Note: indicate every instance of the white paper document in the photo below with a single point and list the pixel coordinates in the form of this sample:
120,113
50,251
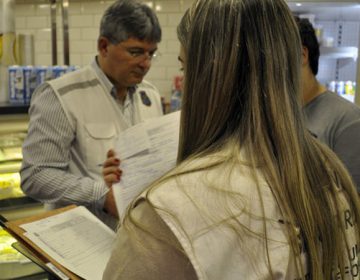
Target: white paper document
76,239
147,151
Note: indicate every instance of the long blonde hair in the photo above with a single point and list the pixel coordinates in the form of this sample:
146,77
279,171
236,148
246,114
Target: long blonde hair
242,82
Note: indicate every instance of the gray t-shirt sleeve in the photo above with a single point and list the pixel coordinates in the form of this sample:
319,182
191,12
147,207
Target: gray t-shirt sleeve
347,147
336,122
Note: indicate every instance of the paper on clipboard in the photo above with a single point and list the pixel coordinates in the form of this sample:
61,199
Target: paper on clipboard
158,141
75,239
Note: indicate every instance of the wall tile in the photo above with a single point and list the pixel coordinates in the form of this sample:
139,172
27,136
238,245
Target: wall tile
25,10
81,20
162,47
75,59
185,4
156,72
75,8
163,19
171,72
74,33
43,10
164,86
169,33
43,59
89,33
87,58
22,31
81,46
167,6
173,47
97,20
168,60
20,23
36,21
60,57
93,7
42,34
42,46
174,19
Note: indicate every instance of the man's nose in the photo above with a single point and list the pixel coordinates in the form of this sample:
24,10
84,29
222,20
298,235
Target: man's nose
146,62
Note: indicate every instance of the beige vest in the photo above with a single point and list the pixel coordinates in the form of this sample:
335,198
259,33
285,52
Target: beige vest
97,120
213,249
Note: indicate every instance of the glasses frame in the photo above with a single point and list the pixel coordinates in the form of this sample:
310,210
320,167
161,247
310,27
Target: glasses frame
140,54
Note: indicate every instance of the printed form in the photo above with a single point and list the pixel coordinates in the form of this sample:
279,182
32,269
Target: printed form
76,239
147,151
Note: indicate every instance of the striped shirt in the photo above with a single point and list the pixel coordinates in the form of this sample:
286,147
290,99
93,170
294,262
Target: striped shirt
46,152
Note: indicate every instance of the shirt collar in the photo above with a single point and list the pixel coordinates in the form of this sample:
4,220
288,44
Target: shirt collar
105,80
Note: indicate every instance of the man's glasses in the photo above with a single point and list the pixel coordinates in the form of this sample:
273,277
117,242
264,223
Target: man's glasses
143,55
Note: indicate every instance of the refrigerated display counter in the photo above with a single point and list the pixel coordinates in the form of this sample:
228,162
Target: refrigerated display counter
13,265
14,204
13,129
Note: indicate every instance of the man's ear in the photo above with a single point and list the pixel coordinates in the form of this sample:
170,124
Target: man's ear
304,56
103,45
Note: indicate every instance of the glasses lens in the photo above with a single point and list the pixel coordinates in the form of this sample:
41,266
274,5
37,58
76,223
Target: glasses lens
155,56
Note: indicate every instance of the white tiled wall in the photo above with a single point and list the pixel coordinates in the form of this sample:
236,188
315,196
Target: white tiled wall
33,17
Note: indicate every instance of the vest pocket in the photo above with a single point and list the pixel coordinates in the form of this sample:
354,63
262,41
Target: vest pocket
100,137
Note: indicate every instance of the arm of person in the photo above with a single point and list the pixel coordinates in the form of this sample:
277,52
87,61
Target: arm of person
347,147
46,157
142,255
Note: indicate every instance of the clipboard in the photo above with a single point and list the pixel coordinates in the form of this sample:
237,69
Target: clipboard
22,249
31,250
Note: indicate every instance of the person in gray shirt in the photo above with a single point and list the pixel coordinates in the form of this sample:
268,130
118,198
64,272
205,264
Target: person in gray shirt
332,119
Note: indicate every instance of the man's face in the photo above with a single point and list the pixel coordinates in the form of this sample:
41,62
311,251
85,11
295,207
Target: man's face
126,63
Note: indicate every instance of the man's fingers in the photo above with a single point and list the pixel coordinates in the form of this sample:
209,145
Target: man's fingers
110,153
111,162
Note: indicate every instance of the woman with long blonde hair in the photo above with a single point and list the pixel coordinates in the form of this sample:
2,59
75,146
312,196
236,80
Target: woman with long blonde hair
254,195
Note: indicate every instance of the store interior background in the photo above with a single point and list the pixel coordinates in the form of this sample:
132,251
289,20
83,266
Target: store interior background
33,17
339,20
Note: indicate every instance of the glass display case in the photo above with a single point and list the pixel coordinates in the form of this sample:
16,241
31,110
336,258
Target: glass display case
13,265
13,129
10,161
13,203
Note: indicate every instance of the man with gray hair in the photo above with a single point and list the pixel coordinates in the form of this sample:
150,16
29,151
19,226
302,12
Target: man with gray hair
75,119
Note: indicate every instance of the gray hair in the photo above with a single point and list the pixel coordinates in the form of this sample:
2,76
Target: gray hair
130,18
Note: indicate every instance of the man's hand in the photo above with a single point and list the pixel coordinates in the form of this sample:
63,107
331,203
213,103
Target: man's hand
111,171
110,205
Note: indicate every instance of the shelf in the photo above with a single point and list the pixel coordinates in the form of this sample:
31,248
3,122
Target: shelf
10,166
13,109
327,10
18,202
339,52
